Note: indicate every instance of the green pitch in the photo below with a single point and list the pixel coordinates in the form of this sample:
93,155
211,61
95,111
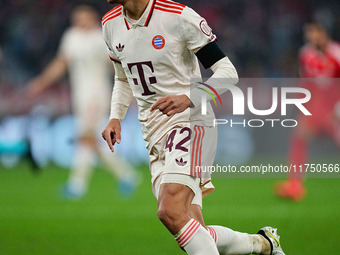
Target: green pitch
34,219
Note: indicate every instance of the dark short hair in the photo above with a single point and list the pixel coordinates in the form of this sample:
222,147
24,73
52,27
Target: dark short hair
86,5
319,25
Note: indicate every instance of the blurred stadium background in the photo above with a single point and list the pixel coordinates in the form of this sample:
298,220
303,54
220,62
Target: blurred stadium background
262,38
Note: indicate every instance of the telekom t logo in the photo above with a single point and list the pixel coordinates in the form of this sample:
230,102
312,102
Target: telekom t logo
139,67
238,100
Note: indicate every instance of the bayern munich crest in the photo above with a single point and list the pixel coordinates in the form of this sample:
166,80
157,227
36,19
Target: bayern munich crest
158,42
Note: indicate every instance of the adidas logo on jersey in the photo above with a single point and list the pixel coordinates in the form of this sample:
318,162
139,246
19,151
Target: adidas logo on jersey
181,162
120,47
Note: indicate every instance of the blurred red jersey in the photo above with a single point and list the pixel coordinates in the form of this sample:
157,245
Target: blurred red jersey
325,92
317,64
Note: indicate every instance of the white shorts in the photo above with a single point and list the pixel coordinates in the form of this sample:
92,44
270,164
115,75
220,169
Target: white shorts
192,182
90,116
180,155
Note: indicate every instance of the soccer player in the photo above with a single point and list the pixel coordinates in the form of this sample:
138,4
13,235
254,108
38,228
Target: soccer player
83,54
319,58
154,46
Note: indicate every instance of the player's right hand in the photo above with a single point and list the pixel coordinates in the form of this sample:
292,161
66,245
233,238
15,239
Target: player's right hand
111,133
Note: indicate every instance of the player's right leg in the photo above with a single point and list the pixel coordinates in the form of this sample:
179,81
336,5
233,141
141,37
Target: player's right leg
175,190
174,202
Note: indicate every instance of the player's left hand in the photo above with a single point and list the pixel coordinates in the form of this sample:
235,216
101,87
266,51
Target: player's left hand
171,105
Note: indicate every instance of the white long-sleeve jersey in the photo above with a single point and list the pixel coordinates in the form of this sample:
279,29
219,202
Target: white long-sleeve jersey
155,57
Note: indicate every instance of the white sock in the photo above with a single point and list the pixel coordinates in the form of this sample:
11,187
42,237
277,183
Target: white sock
232,242
196,240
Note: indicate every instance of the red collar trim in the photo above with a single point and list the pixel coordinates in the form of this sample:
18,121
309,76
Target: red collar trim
150,14
127,24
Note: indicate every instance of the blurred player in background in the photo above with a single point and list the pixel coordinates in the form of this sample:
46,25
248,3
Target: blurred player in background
319,58
83,53
155,46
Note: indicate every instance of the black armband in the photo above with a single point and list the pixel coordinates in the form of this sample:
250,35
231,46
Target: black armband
210,54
